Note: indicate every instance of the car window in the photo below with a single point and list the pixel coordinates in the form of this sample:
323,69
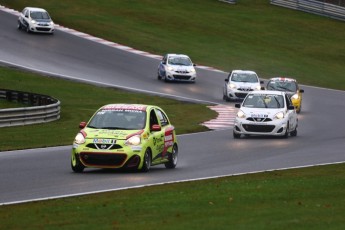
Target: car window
39,15
162,117
118,119
282,86
244,77
264,101
153,118
179,61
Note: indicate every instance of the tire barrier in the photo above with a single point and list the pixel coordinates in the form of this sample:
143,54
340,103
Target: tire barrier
40,109
315,7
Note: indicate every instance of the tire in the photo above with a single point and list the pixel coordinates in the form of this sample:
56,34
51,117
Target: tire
286,134
146,161
294,132
76,165
19,26
236,135
27,29
172,158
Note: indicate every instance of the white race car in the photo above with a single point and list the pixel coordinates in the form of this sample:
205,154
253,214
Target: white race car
34,19
268,113
239,83
176,67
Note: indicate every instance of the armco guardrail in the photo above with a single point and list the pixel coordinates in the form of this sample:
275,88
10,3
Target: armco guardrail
41,108
315,7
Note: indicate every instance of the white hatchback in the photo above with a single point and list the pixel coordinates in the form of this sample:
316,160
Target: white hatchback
176,67
269,113
239,83
33,19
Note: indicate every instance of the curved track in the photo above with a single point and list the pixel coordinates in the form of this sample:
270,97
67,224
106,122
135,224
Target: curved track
44,173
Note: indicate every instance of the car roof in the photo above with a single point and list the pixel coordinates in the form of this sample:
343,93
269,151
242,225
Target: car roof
35,9
178,55
137,107
243,71
268,92
282,79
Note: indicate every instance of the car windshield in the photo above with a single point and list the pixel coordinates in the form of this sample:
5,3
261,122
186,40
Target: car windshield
118,119
179,61
264,101
282,86
244,77
39,15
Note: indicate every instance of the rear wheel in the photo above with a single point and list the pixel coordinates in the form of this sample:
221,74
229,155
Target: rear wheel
76,165
146,161
172,158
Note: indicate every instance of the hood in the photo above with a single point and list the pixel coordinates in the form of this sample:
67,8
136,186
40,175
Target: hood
108,133
261,113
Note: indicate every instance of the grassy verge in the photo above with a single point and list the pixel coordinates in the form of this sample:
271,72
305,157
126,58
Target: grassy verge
78,103
309,198
252,34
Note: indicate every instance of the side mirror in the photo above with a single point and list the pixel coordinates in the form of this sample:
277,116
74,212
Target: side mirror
237,105
262,88
164,63
82,124
261,82
226,80
156,127
301,90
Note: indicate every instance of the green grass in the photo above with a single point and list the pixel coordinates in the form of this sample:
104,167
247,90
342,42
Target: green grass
78,102
308,198
252,34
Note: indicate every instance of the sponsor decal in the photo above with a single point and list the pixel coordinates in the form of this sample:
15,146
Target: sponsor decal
104,141
124,107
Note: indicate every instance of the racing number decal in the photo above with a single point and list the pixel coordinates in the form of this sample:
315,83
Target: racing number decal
168,140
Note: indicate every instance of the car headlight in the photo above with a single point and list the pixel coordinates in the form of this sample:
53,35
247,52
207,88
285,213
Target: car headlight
79,139
258,87
295,96
231,86
170,68
33,21
134,140
279,115
192,71
241,114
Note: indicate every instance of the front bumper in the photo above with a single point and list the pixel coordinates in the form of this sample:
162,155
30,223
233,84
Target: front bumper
269,128
42,29
128,157
179,76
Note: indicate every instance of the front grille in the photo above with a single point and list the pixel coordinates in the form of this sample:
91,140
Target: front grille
103,159
259,128
181,77
104,146
245,89
258,119
182,71
42,29
241,95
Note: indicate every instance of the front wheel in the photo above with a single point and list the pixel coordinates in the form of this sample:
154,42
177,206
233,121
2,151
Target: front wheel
236,135
146,161
172,158
294,132
76,165
19,26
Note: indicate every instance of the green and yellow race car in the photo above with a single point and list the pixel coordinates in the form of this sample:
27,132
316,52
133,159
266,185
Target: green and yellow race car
128,136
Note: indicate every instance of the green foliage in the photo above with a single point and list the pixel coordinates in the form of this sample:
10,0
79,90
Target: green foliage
78,103
309,198
252,34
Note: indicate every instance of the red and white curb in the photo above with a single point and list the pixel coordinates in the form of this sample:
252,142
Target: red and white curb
226,114
225,118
